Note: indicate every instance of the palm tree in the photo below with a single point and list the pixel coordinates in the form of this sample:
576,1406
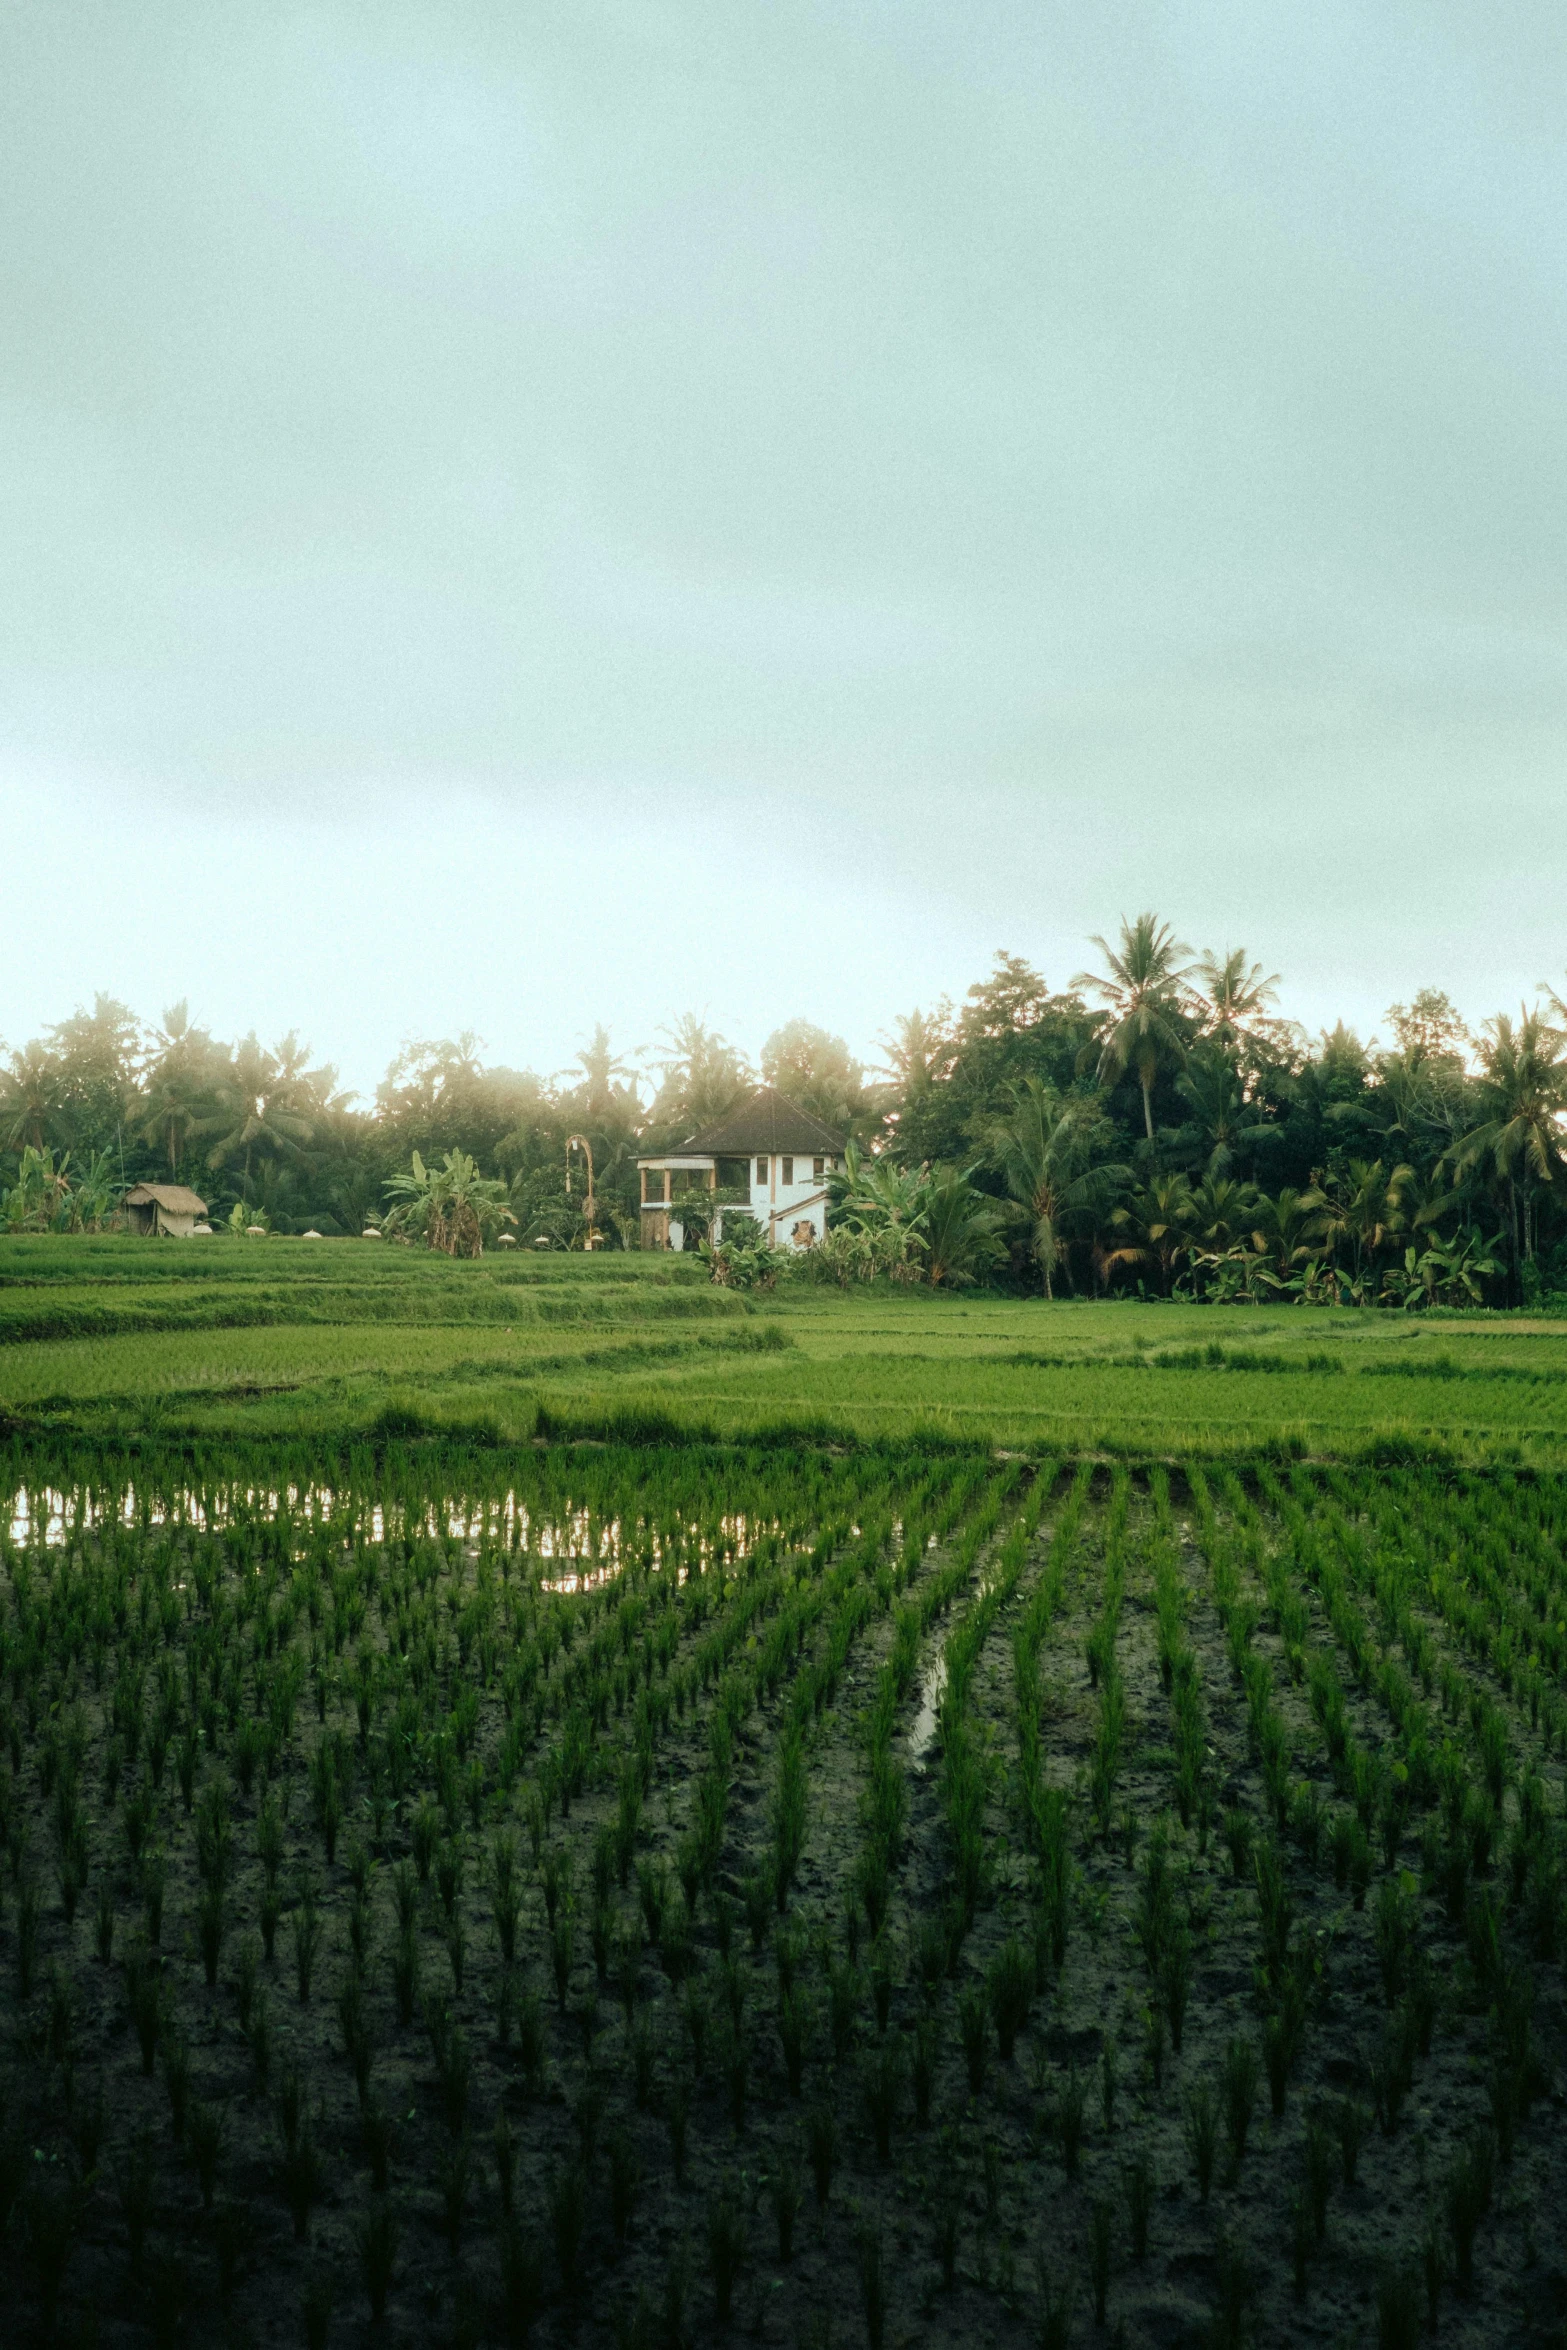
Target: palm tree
1212,1087
30,1097
1143,994
1044,1153
178,1102
960,1229
1523,1091
1365,1206
1289,1225
1224,1212
258,1104
703,1075
1236,996
1161,1218
918,1052
603,1085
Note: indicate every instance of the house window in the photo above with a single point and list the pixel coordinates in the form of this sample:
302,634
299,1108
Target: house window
818,1169
653,1186
787,1175
761,1170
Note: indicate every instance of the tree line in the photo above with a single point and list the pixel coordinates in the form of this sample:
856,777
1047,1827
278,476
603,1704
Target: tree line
1154,1127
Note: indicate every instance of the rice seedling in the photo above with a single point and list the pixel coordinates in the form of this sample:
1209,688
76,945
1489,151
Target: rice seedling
137,2182
377,2133
306,1927
677,2115
883,2077
568,2221
1138,2179
1011,1987
727,2244
1055,2310
1398,2308
821,2138
1467,2191
1238,2086
1071,2112
873,2285
974,2023
316,2308
1100,2224
105,1919
1201,2125
454,2171
784,2189
625,2179
379,2236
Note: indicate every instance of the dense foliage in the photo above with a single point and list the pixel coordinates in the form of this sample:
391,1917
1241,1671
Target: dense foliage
1154,1128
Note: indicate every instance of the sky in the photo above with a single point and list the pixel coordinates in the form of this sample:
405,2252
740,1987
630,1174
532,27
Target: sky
512,517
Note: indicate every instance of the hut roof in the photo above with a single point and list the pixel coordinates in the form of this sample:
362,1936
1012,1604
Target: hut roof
176,1198
769,1122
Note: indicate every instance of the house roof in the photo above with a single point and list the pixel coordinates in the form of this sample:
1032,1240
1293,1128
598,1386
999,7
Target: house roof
768,1122
176,1198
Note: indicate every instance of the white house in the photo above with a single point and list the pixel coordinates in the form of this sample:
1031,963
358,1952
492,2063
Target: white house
769,1148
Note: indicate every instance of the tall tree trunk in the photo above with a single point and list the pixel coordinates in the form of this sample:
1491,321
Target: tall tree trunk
1147,1110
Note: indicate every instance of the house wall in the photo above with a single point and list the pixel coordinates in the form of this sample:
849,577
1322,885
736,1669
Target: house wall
787,1198
787,1194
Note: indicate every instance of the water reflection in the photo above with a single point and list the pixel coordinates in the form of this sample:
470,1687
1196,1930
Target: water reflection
576,1550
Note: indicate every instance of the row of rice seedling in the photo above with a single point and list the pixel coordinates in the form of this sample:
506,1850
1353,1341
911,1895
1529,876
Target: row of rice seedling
1507,1618
485,1903
1421,1982
1104,1671
335,1615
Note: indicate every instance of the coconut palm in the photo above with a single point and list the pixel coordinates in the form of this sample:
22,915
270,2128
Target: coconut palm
1145,1025
917,1051
702,1075
1523,1094
1212,1086
1044,1152
1290,1226
260,1105
962,1239
30,1098
1158,1225
178,1104
604,1087
1236,996
1365,1207
1225,1213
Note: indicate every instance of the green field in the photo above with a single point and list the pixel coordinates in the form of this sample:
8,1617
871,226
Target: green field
544,1801
115,1338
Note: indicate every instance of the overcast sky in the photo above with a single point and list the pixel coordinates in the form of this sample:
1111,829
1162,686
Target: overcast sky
517,515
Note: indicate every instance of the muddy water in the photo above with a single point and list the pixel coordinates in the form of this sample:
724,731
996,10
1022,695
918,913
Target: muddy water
932,1689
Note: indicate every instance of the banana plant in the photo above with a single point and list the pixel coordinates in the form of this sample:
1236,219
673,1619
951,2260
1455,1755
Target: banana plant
451,1207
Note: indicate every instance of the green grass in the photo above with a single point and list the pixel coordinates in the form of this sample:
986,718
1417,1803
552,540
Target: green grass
122,1338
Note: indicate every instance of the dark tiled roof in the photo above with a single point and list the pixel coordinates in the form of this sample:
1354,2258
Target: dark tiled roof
768,1122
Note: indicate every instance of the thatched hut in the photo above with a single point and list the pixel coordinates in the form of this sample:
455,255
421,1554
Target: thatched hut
170,1208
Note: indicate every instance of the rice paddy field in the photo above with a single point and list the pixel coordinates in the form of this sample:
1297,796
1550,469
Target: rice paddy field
548,1803
114,1338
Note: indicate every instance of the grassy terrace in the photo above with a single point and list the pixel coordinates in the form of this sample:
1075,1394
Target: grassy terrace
286,1338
